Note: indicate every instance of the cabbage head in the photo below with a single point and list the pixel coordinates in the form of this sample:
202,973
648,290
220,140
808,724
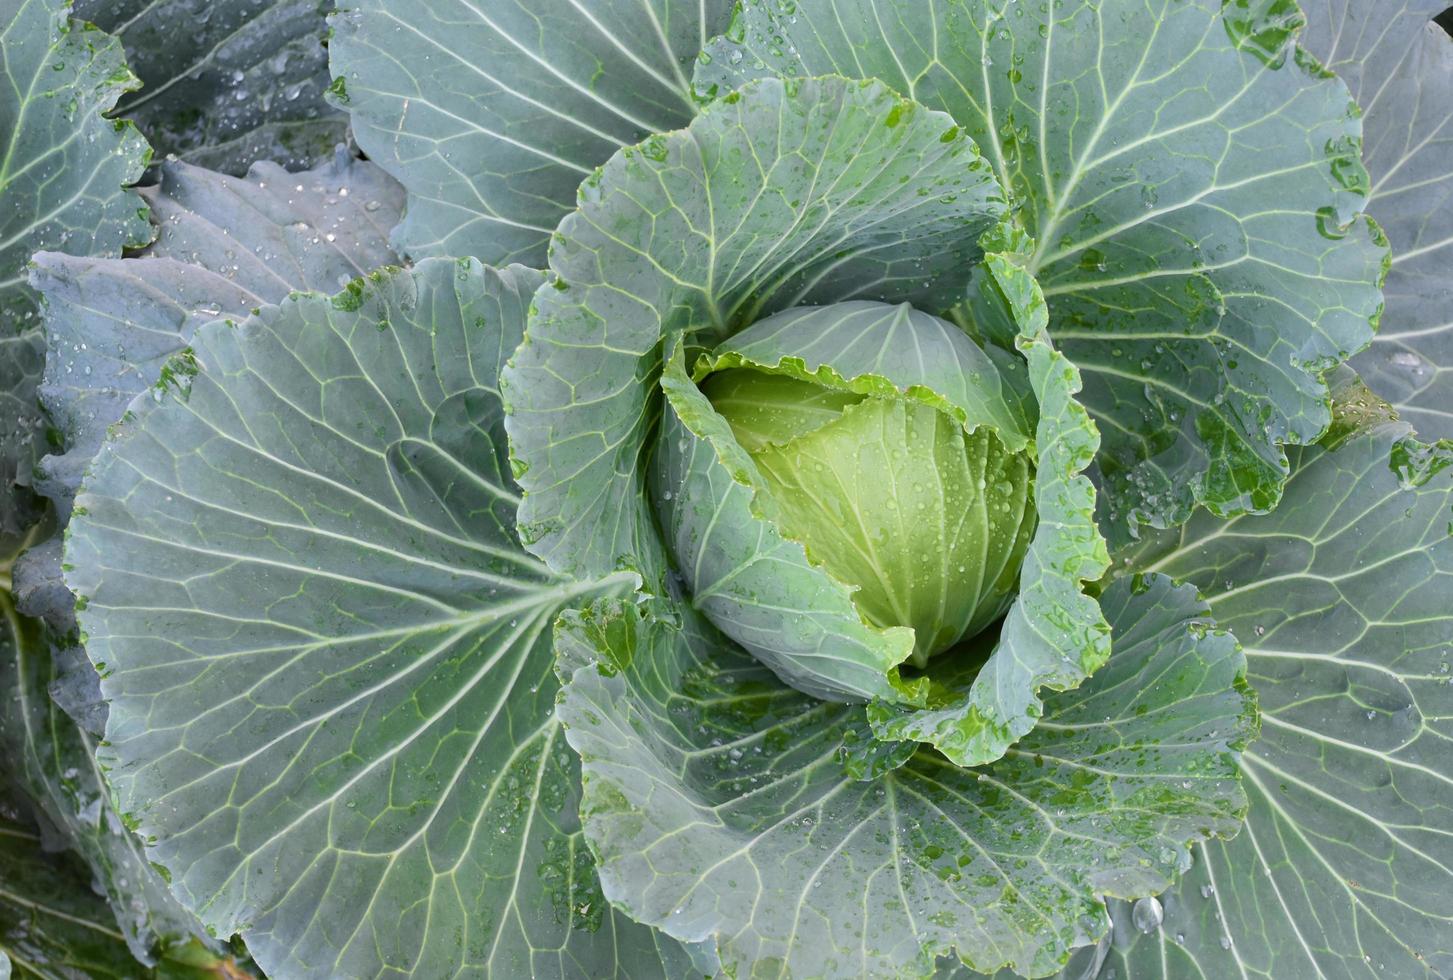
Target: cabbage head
726,488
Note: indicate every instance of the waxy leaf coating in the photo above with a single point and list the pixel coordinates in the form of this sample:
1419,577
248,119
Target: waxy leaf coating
1399,65
1340,598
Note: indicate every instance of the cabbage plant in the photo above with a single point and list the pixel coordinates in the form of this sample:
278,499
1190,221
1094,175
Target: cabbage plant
775,488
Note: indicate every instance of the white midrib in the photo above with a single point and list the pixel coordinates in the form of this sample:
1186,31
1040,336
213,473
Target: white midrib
452,628
561,593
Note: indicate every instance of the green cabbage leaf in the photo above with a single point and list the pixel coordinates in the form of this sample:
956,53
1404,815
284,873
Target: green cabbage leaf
492,114
1399,65
352,711
716,801
1340,600
226,83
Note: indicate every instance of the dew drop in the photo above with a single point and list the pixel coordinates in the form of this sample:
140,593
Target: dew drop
1147,915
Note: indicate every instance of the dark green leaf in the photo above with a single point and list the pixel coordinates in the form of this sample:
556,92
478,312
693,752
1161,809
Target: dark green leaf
52,926
226,83
53,762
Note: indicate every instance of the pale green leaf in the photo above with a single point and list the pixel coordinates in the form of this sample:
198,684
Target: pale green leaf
1054,635
894,350
758,585
729,529
773,409
929,523
736,530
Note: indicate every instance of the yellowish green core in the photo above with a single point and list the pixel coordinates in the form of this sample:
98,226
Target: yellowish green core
929,522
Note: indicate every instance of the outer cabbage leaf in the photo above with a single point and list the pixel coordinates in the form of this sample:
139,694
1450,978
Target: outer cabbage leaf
1193,182
1345,866
786,194
62,172
226,83
54,927
224,246
716,802
1399,66
492,114
327,658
